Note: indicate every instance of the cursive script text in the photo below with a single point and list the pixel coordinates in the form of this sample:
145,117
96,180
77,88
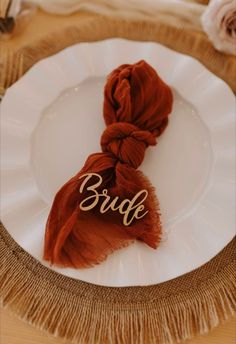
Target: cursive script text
130,208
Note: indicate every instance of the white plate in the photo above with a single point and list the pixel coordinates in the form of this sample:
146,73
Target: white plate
52,120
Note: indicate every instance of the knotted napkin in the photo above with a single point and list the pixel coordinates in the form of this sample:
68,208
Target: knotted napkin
136,108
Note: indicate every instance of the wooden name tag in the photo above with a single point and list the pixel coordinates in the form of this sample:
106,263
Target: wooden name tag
130,208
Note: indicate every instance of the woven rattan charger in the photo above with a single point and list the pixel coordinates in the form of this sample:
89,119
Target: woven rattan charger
84,313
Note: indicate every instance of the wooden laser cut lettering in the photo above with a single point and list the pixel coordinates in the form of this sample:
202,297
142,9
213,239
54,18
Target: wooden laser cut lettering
130,208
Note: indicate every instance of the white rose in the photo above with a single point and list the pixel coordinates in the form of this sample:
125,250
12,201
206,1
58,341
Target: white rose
219,22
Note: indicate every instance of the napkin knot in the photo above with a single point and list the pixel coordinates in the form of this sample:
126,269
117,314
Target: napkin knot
127,142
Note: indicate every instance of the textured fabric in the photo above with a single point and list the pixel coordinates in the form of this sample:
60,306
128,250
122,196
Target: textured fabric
136,108
174,11
85,313
16,331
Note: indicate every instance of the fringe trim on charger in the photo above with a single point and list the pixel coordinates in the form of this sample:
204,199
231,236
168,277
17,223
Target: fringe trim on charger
86,313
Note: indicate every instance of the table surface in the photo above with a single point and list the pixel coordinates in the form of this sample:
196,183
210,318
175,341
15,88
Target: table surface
15,331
